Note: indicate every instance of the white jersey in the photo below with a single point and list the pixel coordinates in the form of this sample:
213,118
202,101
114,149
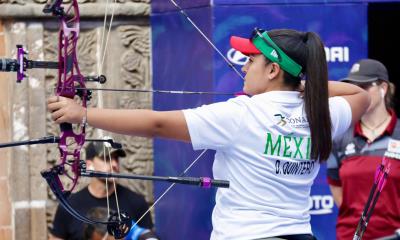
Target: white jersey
263,148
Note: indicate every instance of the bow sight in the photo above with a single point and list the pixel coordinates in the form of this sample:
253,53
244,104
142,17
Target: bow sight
22,63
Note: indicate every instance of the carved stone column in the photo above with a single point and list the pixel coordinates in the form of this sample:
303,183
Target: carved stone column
5,159
23,114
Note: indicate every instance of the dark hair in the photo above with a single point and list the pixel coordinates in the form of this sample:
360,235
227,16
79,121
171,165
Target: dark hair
390,93
100,214
307,49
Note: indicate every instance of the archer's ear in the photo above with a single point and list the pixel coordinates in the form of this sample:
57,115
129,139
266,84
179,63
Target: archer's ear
384,85
275,70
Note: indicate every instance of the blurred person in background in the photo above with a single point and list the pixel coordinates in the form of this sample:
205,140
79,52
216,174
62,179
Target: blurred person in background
358,153
65,226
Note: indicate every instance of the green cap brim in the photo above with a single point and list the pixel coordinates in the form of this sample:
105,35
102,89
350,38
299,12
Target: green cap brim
271,51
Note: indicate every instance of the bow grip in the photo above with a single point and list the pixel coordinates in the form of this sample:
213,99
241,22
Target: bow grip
66,127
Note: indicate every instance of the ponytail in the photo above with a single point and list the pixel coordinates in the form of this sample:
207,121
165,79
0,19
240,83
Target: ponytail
307,50
316,98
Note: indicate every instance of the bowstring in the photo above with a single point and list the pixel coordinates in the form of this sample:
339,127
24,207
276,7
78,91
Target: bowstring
100,66
179,8
108,200
169,188
107,152
115,185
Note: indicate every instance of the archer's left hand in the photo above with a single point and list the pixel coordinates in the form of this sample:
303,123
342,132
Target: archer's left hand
65,110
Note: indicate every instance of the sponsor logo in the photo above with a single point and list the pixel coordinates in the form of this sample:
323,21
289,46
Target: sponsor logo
296,122
321,204
393,150
350,149
237,57
274,53
394,146
355,68
281,121
337,54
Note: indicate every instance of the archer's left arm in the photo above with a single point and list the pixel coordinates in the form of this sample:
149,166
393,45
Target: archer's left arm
137,122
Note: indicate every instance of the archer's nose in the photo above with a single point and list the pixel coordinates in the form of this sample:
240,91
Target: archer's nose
245,67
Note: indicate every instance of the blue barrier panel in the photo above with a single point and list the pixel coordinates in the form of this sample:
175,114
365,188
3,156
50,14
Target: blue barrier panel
183,60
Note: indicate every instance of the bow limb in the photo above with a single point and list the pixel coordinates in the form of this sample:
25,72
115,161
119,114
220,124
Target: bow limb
118,224
69,77
71,142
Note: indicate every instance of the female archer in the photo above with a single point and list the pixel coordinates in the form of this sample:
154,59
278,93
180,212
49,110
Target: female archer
269,144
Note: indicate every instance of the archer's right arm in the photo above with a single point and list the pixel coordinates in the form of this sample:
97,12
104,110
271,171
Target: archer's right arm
357,98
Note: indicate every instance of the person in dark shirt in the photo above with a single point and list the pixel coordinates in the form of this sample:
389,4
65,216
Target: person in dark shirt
65,226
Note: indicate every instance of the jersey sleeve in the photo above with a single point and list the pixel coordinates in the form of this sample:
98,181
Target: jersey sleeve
216,125
333,166
341,116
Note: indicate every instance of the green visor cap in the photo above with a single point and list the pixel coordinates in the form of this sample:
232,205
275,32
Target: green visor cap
271,51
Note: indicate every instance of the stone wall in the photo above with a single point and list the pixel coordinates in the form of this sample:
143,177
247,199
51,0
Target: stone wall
26,205
5,200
